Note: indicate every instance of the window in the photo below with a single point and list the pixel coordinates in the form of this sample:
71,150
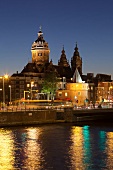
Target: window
39,54
22,86
21,91
12,82
91,87
66,94
60,94
17,96
28,85
17,86
17,82
35,85
79,93
17,91
21,82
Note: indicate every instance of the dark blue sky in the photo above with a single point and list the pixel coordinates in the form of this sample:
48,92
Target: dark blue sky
64,22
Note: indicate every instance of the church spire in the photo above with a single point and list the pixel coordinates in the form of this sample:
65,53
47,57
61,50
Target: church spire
76,53
63,60
76,61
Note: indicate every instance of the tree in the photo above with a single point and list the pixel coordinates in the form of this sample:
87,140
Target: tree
49,85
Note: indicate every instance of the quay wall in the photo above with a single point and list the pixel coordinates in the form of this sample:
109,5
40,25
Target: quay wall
53,116
27,117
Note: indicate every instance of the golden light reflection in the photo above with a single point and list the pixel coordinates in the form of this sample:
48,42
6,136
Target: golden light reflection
6,150
109,150
77,148
33,149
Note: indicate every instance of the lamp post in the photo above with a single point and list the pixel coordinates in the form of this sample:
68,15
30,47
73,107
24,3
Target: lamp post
10,93
3,78
3,92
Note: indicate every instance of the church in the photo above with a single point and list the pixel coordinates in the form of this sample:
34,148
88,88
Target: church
32,75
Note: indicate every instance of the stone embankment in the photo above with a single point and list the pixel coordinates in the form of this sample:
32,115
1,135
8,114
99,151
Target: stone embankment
32,117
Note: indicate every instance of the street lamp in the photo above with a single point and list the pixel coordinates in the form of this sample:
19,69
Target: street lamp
10,93
3,78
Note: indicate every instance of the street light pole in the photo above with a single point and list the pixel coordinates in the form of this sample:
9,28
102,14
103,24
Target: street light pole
10,93
3,93
3,78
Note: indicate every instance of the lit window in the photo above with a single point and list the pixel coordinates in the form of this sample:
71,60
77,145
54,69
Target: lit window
28,85
65,94
91,87
39,54
35,85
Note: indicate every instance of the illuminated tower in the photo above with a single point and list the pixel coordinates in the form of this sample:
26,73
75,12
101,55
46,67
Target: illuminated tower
63,59
76,61
40,50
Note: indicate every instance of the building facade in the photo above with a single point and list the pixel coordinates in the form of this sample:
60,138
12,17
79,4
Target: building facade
28,83
75,92
104,92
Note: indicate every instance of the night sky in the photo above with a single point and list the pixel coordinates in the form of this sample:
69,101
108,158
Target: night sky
64,22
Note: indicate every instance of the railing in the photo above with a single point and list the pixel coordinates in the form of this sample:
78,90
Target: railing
22,109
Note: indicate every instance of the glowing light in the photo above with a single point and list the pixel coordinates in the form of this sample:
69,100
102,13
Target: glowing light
6,150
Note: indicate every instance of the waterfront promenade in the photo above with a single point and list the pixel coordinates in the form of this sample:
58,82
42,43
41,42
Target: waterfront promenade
31,114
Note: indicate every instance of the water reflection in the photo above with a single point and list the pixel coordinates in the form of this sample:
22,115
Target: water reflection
109,150
91,148
32,149
76,148
86,146
6,150
65,147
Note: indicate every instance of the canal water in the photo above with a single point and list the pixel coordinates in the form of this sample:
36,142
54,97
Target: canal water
57,147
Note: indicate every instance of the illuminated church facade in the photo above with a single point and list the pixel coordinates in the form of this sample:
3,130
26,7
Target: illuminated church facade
35,70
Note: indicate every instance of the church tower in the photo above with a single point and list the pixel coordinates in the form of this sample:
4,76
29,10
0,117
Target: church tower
63,59
40,50
76,61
